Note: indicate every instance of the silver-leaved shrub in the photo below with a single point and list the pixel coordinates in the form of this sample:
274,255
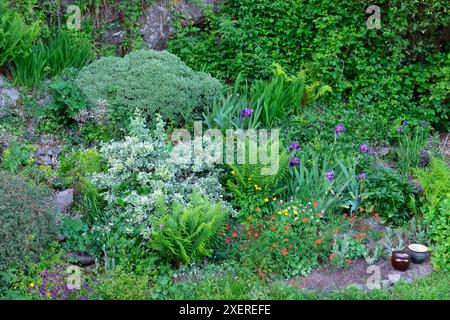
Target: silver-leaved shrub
151,81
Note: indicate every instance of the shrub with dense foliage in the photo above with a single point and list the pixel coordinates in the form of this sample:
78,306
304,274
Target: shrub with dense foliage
435,181
154,82
140,170
27,219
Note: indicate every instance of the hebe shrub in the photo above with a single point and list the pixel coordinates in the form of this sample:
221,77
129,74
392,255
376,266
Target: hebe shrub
27,220
154,82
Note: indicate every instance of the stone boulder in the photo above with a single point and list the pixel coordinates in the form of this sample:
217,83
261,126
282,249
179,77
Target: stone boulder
157,24
9,98
64,200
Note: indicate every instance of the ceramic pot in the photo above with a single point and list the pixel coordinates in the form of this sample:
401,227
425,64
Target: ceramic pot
400,260
418,252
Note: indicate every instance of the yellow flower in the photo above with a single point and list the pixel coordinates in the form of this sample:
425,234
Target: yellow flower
285,211
274,199
257,187
233,172
266,199
32,285
49,295
295,212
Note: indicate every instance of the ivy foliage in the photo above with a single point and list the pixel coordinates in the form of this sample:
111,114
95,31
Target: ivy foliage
399,69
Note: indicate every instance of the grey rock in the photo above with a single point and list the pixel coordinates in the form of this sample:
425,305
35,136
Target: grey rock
47,155
9,98
83,260
63,200
385,283
425,159
157,24
394,277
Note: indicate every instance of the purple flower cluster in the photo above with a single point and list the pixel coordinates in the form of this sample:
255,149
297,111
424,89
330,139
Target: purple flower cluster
423,124
294,161
294,146
246,113
339,129
330,176
363,148
53,285
361,176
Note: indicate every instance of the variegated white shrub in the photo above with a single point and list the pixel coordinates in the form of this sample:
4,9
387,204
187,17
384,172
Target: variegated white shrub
140,170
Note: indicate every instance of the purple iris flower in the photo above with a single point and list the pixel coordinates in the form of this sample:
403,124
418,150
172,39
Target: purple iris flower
246,113
363,148
339,129
361,176
294,146
404,122
330,176
399,129
294,161
423,124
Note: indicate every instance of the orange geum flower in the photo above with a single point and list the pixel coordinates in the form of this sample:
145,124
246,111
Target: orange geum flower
305,220
284,252
317,242
274,245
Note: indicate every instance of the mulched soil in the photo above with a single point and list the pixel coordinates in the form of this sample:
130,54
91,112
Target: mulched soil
328,279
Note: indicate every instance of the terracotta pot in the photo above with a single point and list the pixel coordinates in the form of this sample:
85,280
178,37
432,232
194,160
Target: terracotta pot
400,260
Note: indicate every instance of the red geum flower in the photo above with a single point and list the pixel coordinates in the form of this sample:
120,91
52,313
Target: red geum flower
363,235
292,283
284,252
376,215
315,203
285,240
290,246
274,245
299,286
319,214
227,240
305,220
273,228
287,227
227,226
332,256
310,231
356,237
348,261
345,215
318,241
350,219
234,235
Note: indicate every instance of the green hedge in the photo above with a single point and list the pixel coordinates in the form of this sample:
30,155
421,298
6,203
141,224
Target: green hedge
401,69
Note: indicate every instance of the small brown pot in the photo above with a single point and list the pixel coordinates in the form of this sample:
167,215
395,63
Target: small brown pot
400,260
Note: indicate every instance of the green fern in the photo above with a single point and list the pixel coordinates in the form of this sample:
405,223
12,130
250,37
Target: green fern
16,37
186,234
248,178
